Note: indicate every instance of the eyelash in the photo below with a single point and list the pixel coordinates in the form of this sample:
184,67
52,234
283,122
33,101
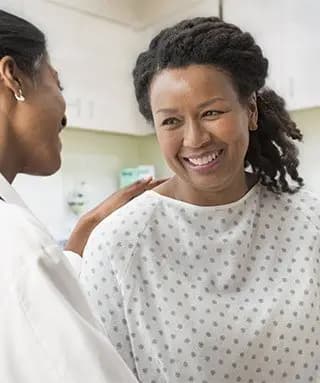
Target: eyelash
60,87
214,113
167,121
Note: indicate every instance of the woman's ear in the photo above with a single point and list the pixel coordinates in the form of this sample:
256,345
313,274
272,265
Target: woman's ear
10,76
253,112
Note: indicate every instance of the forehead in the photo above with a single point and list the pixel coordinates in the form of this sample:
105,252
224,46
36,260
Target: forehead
193,82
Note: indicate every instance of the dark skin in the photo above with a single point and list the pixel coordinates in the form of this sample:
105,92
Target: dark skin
203,132
30,143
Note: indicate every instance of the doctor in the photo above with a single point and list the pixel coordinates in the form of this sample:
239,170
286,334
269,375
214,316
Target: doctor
48,332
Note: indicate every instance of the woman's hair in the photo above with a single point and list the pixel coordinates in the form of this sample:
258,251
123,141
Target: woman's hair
21,40
211,41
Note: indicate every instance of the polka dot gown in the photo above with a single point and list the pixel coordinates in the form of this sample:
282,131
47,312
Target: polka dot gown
211,294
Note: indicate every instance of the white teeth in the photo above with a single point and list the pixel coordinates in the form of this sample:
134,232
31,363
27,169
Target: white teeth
205,159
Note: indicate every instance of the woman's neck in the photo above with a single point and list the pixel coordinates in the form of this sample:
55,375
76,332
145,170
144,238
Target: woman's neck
180,190
9,174
9,159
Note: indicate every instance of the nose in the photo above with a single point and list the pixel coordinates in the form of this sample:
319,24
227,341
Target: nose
195,135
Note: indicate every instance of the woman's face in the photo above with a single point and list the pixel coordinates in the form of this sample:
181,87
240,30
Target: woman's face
202,128
35,124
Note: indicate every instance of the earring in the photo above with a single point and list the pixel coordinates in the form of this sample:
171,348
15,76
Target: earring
19,96
253,127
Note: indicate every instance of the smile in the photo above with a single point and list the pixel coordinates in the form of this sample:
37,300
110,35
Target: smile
203,161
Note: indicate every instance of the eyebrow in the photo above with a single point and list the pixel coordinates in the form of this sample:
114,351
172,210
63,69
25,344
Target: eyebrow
166,110
211,101
202,105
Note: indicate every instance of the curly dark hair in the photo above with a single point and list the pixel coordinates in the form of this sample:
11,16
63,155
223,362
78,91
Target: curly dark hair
271,154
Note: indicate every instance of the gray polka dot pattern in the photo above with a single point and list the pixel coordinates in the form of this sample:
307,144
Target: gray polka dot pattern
211,294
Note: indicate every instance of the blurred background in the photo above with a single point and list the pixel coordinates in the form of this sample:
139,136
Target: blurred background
94,45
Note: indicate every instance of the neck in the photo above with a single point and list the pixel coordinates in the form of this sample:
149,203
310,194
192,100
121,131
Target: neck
210,197
9,167
9,174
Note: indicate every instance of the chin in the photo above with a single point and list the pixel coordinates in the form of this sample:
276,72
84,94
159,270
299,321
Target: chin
47,168
50,170
206,183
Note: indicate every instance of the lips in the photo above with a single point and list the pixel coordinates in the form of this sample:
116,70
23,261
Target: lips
63,123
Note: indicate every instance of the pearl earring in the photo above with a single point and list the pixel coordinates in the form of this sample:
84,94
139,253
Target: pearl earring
19,96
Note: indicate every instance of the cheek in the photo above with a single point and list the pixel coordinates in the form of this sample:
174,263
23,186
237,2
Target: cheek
170,143
54,107
232,131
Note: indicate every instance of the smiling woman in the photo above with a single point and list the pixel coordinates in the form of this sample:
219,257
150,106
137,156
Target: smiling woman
205,137
214,276
207,58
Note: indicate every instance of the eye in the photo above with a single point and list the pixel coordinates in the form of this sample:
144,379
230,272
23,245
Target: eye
170,121
211,113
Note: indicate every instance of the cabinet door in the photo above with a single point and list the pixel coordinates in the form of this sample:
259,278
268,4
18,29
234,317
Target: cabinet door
264,21
302,53
95,59
288,31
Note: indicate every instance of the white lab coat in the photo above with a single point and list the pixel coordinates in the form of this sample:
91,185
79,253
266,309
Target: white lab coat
48,332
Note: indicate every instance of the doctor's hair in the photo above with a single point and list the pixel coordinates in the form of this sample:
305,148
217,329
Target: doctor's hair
22,41
271,154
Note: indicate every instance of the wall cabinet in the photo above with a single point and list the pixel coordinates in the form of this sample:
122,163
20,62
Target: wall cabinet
95,56
288,31
95,59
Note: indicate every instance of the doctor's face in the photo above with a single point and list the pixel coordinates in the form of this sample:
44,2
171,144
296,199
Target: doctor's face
37,122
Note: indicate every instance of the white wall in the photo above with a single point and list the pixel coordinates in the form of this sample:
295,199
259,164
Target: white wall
93,157
309,123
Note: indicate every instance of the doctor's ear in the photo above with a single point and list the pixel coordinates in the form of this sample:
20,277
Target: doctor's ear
10,77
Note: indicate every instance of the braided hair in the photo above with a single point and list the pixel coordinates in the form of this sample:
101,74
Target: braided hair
271,154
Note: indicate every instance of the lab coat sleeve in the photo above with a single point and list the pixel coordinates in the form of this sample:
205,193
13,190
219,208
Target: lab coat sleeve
75,261
47,329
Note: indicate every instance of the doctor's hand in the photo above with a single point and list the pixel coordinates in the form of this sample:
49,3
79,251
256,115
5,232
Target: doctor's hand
90,220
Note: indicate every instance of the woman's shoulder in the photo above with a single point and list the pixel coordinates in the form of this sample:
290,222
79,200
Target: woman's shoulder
135,214
303,203
115,240
308,204
118,235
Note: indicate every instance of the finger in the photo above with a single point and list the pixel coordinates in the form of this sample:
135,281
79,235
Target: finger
137,188
141,182
156,183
